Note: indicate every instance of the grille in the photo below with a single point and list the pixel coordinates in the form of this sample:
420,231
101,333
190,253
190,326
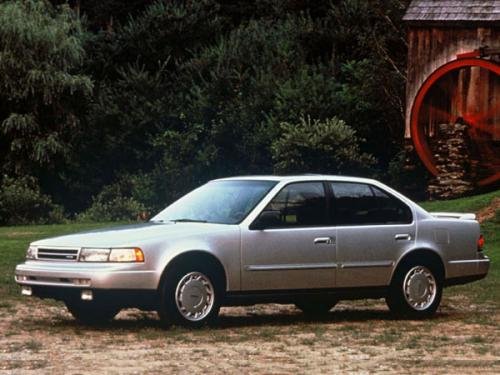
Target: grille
58,254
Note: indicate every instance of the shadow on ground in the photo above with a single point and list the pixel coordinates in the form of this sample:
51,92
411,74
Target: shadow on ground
132,320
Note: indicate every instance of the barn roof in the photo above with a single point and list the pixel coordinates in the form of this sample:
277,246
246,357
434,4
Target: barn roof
445,11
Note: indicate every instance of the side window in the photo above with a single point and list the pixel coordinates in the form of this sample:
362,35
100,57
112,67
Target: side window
390,209
300,205
362,204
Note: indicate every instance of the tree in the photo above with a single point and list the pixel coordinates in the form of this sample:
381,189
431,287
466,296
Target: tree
41,48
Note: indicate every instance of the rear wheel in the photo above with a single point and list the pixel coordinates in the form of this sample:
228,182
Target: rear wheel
315,308
190,296
416,290
91,312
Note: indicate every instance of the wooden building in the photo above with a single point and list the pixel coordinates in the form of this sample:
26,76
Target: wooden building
454,77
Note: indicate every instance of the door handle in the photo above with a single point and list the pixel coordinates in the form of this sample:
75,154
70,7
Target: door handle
402,237
327,240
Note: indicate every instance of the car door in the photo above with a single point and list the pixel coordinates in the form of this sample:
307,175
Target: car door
298,250
373,229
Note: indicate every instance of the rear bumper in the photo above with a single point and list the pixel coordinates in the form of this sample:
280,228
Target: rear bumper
463,271
89,276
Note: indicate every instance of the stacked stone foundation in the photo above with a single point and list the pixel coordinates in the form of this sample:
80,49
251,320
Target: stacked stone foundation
452,154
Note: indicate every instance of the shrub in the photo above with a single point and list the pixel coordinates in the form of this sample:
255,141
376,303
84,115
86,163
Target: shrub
113,204
22,202
328,146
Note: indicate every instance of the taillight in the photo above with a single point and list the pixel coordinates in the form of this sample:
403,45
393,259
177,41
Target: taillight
480,242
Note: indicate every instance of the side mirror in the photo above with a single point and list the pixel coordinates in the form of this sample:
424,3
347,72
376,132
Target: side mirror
267,219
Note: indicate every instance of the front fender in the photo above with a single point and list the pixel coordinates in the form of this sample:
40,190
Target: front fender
224,246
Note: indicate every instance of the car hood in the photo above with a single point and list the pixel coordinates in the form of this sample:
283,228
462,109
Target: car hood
131,235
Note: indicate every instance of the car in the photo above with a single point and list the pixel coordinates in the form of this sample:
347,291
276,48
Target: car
308,240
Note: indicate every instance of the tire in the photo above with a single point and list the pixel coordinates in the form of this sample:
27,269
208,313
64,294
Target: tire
190,296
315,308
90,312
416,290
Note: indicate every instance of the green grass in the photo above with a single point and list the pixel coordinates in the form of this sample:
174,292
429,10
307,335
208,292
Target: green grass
468,204
15,240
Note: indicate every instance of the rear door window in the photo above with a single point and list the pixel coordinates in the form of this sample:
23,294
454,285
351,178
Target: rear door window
364,204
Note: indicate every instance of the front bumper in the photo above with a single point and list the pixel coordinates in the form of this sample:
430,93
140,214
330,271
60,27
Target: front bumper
140,298
85,275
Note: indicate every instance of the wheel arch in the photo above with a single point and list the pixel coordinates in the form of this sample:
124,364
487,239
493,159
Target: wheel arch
196,257
418,254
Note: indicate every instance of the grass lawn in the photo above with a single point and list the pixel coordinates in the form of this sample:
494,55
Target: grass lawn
14,241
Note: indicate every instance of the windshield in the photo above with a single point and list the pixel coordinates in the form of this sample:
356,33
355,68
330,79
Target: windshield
224,202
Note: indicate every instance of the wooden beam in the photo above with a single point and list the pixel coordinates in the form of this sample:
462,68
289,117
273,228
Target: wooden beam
486,51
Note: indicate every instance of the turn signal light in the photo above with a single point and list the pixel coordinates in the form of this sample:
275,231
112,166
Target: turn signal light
480,242
139,255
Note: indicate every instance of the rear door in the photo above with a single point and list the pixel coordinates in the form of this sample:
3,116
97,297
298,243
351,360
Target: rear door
373,229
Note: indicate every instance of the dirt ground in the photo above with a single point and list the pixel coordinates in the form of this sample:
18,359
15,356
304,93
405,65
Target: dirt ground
489,211
357,337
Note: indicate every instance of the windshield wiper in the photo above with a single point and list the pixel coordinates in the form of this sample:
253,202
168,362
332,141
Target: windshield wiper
188,221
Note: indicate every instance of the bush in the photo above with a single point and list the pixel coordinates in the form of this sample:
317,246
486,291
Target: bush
328,146
113,204
21,202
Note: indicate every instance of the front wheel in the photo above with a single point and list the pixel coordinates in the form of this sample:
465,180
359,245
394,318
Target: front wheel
416,290
190,297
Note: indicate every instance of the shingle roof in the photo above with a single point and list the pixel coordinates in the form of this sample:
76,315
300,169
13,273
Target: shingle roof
453,11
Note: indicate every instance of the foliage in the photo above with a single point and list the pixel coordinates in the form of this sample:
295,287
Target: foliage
169,94
40,48
242,87
168,30
21,202
125,117
112,204
328,146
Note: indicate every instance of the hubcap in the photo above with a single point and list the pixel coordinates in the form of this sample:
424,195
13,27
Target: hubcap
419,288
194,296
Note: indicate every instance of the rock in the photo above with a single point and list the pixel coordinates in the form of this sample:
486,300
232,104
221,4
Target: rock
451,150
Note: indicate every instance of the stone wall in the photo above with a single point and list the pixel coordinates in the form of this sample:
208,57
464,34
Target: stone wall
452,153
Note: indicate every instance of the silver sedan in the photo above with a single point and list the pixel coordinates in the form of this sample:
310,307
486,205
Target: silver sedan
309,240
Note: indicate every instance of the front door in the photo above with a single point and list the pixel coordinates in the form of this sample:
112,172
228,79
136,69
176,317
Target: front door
298,251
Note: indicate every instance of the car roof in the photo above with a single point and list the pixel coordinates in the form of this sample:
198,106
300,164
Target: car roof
302,177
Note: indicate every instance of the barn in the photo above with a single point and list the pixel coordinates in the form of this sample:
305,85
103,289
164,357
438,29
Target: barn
453,92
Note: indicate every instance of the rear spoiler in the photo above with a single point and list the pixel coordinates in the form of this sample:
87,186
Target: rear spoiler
453,215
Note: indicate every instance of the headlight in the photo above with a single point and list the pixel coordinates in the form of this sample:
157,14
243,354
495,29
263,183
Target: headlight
111,255
31,253
94,255
126,255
